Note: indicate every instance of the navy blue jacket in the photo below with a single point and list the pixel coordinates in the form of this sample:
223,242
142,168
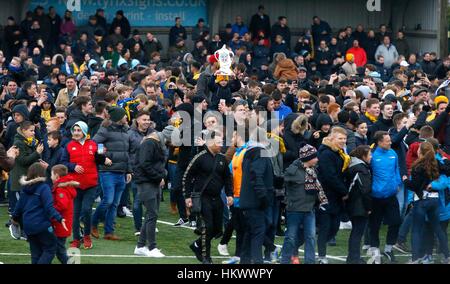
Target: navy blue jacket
257,180
399,146
331,177
53,157
35,207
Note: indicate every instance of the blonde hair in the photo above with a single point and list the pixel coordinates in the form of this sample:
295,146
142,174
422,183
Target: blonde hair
338,130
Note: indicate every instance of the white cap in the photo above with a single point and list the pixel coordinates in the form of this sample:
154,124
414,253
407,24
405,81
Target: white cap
404,64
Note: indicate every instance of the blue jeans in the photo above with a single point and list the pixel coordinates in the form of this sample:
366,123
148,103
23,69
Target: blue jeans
402,197
82,211
42,247
171,170
226,210
405,228
253,237
137,208
113,185
427,209
295,220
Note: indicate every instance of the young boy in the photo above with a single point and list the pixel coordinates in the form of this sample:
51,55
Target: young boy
64,192
55,153
361,133
35,209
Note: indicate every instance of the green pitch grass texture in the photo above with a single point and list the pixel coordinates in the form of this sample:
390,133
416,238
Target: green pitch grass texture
172,241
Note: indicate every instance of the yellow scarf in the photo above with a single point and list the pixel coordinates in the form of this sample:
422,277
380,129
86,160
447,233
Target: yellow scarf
346,158
279,140
31,141
196,76
371,117
45,114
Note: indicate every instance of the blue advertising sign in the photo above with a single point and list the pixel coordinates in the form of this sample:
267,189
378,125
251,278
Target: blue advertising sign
140,13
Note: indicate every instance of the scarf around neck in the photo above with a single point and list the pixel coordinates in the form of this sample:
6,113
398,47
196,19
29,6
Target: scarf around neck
313,186
371,117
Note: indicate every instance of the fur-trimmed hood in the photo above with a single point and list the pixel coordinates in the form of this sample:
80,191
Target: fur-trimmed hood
24,182
300,124
71,183
30,186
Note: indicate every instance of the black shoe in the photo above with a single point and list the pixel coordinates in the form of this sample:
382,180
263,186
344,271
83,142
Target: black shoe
207,260
7,224
390,256
197,251
332,242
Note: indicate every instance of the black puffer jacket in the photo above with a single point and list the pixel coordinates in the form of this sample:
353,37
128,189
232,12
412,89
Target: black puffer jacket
116,139
359,179
150,161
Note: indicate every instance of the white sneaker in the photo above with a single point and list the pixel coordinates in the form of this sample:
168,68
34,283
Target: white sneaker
323,260
127,211
365,247
156,253
137,234
98,200
223,250
375,256
143,251
345,225
193,224
156,230
180,223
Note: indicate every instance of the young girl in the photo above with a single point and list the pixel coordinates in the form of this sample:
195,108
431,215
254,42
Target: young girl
426,207
80,158
35,209
359,202
30,150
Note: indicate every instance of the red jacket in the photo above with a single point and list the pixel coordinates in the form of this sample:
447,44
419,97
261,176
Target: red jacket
83,155
64,193
411,155
360,56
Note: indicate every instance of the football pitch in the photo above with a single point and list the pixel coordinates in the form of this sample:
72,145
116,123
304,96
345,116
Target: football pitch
172,241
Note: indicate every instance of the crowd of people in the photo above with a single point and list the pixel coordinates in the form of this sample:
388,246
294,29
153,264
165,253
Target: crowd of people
351,127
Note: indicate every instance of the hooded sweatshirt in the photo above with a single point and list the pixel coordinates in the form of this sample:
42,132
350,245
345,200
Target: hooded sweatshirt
64,193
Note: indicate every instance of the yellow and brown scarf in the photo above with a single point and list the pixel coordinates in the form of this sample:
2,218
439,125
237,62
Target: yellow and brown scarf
371,117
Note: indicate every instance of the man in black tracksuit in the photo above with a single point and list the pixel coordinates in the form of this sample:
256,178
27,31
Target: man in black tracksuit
208,173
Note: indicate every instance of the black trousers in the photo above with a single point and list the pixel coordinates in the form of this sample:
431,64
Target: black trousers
237,223
359,225
387,210
212,220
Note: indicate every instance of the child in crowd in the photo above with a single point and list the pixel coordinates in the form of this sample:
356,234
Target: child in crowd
35,209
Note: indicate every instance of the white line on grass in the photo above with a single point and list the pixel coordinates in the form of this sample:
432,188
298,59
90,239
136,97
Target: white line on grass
115,256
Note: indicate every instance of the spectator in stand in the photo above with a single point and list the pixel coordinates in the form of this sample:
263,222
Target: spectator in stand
370,46
239,27
388,51
68,28
324,59
199,30
12,38
428,66
281,28
260,22
359,53
101,20
383,32
321,31
121,21
177,32
401,43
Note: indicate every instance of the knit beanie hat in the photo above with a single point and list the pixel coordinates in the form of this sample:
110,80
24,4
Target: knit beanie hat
167,133
84,127
116,113
307,153
349,57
